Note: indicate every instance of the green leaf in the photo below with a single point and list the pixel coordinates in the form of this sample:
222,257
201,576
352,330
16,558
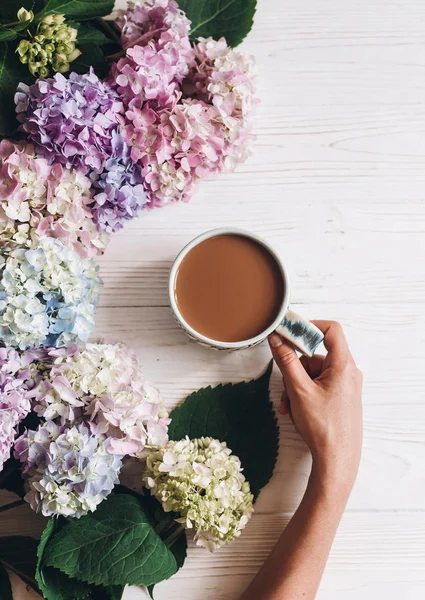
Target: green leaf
115,545
80,10
12,71
5,587
150,590
87,34
91,56
7,34
232,19
242,416
163,522
54,584
19,555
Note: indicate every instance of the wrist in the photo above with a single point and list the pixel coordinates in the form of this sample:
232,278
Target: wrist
333,480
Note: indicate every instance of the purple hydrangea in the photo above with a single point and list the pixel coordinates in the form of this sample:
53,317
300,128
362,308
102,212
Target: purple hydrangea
70,121
70,471
120,191
14,401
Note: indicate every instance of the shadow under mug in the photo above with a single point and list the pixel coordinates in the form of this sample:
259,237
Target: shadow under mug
305,336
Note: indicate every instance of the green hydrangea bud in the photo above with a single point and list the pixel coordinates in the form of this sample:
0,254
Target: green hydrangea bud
25,16
52,47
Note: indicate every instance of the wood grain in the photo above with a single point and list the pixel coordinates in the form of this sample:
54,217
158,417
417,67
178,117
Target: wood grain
336,182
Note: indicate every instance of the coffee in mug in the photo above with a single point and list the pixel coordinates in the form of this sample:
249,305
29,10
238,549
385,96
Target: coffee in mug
229,290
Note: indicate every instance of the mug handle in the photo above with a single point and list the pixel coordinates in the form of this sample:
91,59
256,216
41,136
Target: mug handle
305,336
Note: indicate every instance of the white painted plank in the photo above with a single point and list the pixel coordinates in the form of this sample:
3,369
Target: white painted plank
328,259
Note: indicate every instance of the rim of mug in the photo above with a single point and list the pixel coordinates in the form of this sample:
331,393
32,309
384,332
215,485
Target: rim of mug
172,278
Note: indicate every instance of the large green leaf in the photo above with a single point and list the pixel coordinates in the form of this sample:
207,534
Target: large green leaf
87,34
115,545
19,555
232,19
12,71
54,584
5,587
7,35
80,10
241,415
91,56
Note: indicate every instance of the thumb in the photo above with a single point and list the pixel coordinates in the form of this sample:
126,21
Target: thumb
294,374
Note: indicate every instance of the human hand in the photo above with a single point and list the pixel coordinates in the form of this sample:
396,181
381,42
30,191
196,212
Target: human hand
323,396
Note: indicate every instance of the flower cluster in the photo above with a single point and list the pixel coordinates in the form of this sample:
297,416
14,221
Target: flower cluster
203,481
119,190
95,407
48,295
70,120
38,199
104,385
14,400
70,471
75,123
53,45
168,114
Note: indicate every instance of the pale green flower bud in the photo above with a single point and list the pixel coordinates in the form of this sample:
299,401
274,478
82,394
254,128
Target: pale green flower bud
25,16
53,47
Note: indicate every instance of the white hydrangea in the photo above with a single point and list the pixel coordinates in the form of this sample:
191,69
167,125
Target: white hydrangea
48,295
105,384
202,480
70,471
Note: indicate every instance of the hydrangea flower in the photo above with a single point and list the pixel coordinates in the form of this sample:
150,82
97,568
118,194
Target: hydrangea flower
70,471
104,384
37,199
202,480
161,25
146,74
175,148
52,46
47,295
70,121
14,400
120,193
224,78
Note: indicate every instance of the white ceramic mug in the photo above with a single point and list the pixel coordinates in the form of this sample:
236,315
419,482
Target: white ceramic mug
305,336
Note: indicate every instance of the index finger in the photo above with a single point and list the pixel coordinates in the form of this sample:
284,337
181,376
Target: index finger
335,342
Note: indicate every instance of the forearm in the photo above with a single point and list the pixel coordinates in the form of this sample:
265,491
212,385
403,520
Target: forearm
294,568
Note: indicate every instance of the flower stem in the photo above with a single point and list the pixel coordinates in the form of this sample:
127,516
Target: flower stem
173,534
12,505
109,29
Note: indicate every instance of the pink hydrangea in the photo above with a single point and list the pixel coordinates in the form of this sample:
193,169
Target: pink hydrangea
38,199
14,401
224,78
162,25
175,147
146,73
103,384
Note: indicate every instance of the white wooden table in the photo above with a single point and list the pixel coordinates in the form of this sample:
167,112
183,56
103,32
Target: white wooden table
337,184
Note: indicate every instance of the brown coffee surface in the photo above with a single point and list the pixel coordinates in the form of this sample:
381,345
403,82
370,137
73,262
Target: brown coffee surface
229,288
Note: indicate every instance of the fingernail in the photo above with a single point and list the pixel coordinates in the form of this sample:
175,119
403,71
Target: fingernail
275,340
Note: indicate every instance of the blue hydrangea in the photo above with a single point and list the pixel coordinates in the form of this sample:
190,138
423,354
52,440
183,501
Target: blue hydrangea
120,193
48,295
70,471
